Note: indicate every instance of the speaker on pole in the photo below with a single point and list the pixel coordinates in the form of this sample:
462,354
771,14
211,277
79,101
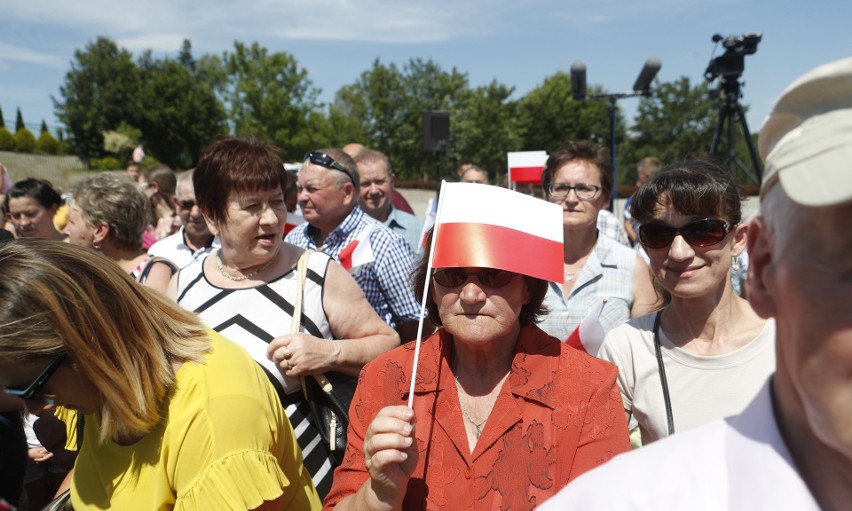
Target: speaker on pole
436,131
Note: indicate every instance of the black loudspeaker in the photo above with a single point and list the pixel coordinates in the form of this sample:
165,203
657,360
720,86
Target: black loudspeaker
436,131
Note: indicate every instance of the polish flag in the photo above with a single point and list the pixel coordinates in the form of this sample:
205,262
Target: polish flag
359,252
589,334
526,166
493,227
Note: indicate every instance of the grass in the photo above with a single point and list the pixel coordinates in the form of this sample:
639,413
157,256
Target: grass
61,171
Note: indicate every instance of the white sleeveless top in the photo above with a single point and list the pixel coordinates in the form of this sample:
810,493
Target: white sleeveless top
252,317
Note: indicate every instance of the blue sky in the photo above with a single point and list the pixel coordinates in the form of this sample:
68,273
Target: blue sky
518,43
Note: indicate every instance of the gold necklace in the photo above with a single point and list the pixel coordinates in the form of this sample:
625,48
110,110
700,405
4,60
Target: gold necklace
238,278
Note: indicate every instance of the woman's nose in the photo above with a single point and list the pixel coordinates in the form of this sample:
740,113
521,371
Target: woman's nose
680,249
471,291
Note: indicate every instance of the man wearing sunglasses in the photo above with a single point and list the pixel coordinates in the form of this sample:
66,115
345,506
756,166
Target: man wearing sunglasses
791,448
193,240
329,186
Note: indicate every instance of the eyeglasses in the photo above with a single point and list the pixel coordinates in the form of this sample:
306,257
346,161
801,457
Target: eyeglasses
699,233
33,391
186,204
455,277
584,191
327,161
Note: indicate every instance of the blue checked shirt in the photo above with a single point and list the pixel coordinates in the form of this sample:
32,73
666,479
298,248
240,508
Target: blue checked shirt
385,280
406,225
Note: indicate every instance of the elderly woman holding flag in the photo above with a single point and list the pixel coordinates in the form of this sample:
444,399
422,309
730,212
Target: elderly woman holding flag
499,415
247,289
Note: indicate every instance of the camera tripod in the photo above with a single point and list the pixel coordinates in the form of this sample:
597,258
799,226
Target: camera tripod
732,111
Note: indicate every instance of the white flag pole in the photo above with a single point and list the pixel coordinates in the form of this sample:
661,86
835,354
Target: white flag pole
425,295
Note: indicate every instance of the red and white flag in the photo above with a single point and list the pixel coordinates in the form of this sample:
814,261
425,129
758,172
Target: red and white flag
359,252
589,334
526,166
492,227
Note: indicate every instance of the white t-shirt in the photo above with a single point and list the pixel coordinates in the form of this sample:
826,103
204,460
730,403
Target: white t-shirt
738,463
701,388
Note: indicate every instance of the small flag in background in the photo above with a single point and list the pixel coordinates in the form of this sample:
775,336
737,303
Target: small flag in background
526,167
589,334
492,227
359,252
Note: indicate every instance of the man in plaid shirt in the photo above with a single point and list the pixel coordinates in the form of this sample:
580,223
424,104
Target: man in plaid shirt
378,258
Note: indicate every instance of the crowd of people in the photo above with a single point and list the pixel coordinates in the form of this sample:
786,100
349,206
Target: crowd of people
161,334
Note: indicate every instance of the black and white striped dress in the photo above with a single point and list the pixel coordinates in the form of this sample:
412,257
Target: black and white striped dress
252,317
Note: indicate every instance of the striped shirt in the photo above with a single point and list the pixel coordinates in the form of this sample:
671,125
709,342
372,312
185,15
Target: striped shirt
607,274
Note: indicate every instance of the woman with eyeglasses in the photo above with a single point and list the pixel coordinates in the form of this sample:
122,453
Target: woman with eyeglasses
247,289
176,417
578,176
505,414
30,206
705,353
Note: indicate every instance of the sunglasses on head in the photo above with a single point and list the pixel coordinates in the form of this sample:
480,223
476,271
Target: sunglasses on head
32,391
325,160
699,233
455,277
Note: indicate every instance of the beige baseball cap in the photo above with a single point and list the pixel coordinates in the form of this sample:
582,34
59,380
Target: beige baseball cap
806,140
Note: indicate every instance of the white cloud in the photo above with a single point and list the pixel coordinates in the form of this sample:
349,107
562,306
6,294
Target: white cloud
167,43
9,52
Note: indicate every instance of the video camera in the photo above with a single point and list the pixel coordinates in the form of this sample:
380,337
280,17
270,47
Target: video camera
732,63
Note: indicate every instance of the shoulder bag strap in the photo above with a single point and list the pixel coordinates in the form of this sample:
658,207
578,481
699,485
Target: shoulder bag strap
663,381
301,274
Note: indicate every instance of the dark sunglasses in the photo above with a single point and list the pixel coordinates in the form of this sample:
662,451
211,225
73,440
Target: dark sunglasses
326,161
33,391
699,233
455,277
186,204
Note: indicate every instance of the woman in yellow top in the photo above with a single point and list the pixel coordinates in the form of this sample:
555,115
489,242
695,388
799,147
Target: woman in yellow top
162,429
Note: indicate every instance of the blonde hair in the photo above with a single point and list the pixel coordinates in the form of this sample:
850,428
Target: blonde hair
117,202
121,336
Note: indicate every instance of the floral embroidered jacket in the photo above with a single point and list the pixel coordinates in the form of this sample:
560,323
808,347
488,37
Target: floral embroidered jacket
559,414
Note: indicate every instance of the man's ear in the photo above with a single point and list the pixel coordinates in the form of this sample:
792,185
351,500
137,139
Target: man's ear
761,269
349,193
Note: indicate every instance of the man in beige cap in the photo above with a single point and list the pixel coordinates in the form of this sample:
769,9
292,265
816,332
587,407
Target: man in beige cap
792,447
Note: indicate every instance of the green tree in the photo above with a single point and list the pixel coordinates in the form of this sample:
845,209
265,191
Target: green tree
488,128
101,90
43,126
386,106
25,141
47,143
7,139
269,95
181,114
549,116
19,122
675,122
2,119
